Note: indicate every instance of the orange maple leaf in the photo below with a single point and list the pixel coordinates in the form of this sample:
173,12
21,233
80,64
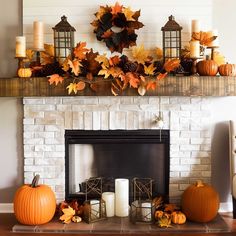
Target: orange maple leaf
116,9
55,78
107,34
161,76
132,79
75,66
115,60
171,65
80,50
151,85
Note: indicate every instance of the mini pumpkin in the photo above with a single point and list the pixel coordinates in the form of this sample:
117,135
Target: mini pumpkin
178,217
200,202
34,204
24,72
207,68
227,69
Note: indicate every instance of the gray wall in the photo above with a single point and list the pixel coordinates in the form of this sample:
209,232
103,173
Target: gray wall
11,115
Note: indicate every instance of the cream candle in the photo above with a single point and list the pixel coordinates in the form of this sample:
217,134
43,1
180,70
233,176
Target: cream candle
121,197
194,48
146,211
95,209
195,26
38,35
20,46
109,198
214,43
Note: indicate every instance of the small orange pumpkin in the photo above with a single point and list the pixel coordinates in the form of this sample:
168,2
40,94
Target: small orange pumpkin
207,68
24,72
34,204
227,69
178,217
200,202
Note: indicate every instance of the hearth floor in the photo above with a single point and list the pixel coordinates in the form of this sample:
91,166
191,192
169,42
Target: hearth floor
117,225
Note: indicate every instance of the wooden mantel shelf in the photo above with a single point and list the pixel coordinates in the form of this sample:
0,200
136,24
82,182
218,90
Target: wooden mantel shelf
170,86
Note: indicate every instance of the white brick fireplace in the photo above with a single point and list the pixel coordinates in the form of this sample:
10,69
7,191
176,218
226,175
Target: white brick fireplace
188,118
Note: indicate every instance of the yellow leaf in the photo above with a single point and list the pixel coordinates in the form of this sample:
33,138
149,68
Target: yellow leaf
75,66
101,12
113,71
65,65
49,49
103,60
219,58
140,54
159,54
55,79
149,70
128,14
68,215
29,54
72,87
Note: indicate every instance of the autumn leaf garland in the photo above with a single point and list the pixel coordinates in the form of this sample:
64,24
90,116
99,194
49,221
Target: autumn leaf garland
116,26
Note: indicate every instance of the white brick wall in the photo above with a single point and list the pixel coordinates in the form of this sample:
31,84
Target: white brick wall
45,120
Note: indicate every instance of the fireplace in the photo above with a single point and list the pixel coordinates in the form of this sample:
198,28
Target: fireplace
114,154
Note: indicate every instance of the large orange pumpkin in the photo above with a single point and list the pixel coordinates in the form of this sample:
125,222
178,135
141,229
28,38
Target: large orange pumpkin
227,69
207,68
200,202
34,204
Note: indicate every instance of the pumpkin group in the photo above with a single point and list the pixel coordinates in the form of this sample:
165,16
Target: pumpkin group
34,204
200,202
227,69
207,68
24,72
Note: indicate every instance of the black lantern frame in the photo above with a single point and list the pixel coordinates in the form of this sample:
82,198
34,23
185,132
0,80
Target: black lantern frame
171,39
63,39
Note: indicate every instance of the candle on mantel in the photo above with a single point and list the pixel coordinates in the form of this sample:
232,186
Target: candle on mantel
109,198
214,43
38,35
194,48
20,46
195,26
121,197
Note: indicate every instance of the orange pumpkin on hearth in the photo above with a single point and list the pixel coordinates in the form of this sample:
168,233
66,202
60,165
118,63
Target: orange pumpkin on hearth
34,204
200,202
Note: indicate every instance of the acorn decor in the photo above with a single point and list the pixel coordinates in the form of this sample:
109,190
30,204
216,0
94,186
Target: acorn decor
116,25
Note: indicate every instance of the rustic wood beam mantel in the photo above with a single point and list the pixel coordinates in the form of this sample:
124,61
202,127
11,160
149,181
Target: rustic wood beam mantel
170,86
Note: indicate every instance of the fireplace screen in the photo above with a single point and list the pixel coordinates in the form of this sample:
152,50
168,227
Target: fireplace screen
116,154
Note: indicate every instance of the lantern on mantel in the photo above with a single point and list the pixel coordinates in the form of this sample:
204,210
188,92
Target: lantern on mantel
63,39
171,39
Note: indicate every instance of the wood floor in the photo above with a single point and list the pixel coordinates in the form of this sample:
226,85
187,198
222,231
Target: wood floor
8,220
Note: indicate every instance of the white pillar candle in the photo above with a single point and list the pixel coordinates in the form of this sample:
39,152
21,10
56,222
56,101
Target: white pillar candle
109,198
146,211
194,48
38,35
214,43
195,26
95,209
20,46
121,197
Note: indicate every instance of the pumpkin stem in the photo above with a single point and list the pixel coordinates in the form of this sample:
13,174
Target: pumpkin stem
35,181
199,183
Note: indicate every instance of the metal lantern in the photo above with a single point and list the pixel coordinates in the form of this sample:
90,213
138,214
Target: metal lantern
63,39
171,34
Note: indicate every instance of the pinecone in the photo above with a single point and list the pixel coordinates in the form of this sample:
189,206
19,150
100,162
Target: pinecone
159,66
50,69
187,64
130,67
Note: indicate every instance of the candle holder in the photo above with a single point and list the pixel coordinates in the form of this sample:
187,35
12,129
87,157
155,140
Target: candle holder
94,209
194,66
212,48
37,52
20,62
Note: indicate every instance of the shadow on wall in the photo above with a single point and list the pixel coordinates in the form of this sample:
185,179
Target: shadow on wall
220,160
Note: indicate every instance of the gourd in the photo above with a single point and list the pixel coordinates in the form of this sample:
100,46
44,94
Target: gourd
207,68
24,72
227,69
178,217
34,204
200,202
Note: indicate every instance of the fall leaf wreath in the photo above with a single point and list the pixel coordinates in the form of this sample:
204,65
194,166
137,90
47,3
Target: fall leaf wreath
116,26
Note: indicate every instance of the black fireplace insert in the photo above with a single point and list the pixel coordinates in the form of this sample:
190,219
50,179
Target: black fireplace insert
112,154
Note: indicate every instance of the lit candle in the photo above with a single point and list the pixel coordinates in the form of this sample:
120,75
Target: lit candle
195,26
214,43
146,211
38,35
95,209
20,46
121,197
194,49
109,198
